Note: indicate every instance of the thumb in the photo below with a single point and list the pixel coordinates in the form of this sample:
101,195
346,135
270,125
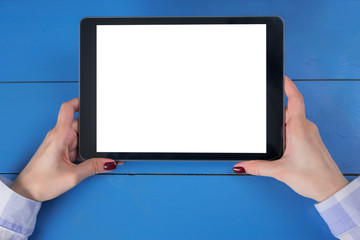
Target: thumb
256,167
94,166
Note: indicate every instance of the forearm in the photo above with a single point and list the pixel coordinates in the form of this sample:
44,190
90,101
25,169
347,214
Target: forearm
342,211
17,213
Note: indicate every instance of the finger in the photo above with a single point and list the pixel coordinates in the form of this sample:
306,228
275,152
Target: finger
67,111
79,159
74,144
257,167
286,121
296,106
75,125
94,166
73,155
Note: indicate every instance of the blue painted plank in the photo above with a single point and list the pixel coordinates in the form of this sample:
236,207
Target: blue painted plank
30,110
39,40
335,108
180,207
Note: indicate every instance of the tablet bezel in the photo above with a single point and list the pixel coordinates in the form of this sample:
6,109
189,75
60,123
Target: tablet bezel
274,87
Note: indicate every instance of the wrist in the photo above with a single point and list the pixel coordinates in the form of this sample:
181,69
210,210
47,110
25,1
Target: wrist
331,188
21,189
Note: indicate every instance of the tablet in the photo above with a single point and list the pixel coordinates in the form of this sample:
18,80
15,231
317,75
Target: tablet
181,88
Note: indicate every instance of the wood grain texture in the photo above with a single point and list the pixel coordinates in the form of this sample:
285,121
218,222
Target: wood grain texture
30,110
39,40
178,207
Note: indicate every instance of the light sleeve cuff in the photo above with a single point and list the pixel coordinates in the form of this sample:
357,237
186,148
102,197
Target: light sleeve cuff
17,213
342,211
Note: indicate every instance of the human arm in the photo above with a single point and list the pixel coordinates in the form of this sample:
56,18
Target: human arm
341,211
50,173
306,165
17,213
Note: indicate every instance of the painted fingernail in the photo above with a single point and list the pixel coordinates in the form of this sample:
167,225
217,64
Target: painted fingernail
239,169
110,166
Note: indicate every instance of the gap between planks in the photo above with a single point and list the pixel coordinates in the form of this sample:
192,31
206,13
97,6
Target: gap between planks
183,174
295,80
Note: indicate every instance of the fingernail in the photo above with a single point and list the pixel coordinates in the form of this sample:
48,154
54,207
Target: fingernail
238,169
110,166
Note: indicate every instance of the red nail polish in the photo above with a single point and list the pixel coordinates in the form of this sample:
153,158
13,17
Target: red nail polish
239,169
110,166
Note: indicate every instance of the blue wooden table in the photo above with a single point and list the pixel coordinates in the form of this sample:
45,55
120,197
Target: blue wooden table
176,200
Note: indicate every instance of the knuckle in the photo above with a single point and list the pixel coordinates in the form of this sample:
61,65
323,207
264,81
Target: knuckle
64,105
254,169
301,97
315,134
54,136
312,127
95,167
50,133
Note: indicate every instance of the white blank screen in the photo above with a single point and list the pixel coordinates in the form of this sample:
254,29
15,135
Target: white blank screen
181,88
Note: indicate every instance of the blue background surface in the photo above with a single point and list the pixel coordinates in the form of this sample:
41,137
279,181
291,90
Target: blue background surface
177,200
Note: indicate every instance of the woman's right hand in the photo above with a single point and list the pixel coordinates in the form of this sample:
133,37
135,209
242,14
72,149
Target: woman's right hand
306,165
51,171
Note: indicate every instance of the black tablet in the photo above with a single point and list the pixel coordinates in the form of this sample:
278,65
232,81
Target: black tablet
181,88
